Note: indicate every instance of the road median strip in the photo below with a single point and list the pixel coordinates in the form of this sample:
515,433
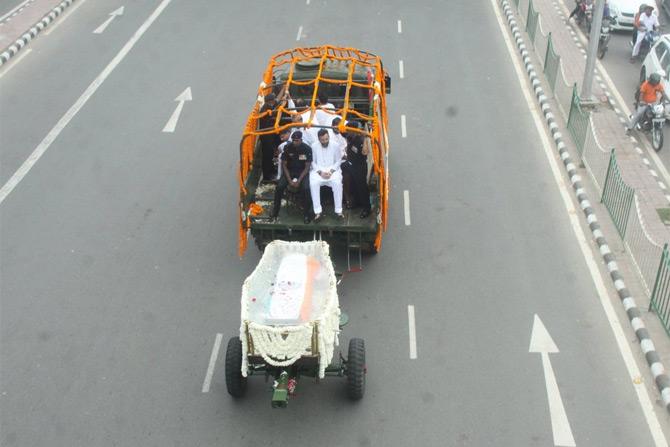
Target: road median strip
29,35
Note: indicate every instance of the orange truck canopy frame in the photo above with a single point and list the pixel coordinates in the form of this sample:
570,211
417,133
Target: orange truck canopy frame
354,72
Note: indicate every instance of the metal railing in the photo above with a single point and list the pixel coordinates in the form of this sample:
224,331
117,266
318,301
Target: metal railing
541,41
531,21
647,251
578,121
523,7
617,196
660,296
596,159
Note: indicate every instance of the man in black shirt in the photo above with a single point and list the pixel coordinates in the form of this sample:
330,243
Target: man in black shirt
295,161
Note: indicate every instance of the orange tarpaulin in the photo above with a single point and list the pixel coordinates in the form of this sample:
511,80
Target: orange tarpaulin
376,121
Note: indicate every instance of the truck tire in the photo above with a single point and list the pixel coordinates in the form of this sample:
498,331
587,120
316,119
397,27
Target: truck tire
235,382
356,369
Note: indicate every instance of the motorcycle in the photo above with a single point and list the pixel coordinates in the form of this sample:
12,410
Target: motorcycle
650,38
653,121
604,39
585,14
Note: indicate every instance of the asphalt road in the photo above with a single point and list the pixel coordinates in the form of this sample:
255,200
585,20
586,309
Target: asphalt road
119,250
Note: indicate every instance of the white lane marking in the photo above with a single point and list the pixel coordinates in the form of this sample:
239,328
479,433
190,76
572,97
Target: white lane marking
212,363
63,17
408,220
299,33
401,68
171,125
19,6
584,245
412,331
399,26
403,126
542,343
112,15
72,111
307,2
16,61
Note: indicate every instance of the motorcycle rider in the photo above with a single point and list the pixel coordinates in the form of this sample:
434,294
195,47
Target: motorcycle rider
580,9
647,95
636,23
647,22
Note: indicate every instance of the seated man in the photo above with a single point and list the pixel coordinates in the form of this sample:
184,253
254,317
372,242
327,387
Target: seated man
284,137
325,171
295,160
355,172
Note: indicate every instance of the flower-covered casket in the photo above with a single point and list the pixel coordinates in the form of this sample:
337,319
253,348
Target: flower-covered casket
290,305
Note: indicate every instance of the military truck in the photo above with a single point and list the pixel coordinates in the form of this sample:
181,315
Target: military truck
356,84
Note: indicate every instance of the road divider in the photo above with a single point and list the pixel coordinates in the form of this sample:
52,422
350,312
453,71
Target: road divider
29,35
64,17
16,61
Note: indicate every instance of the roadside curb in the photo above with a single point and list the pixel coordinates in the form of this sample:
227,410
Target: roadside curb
29,35
653,359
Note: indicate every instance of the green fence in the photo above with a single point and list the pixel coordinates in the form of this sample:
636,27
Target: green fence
531,21
578,121
660,296
617,196
552,61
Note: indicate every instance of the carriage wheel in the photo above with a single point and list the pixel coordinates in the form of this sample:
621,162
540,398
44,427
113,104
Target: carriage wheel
356,369
235,382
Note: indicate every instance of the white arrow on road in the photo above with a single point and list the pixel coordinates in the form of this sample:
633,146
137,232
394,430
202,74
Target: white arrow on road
172,122
541,342
112,16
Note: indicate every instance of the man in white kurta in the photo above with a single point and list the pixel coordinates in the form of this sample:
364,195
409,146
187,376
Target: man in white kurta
325,170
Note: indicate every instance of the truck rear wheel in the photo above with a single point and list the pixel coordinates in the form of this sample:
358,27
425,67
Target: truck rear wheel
356,369
235,382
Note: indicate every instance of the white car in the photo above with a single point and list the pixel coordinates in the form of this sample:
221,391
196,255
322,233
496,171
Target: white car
658,61
623,12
